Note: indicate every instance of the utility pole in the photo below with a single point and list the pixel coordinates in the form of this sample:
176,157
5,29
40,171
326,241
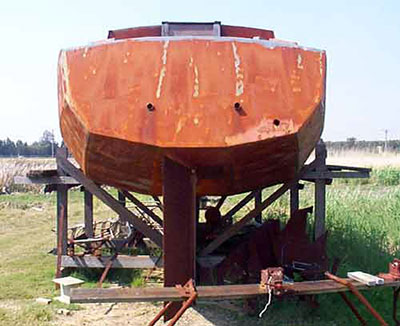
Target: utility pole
386,139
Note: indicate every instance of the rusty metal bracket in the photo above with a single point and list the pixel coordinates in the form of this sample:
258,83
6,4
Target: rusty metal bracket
393,275
106,270
187,291
394,271
357,293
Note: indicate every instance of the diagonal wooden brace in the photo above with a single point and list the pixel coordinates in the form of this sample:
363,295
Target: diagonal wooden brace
235,228
110,201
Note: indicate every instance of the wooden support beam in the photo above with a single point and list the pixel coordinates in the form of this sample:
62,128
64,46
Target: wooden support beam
62,208
235,228
335,175
55,180
241,291
331,167
121,198
143,207
320,190
121,261
239,206
110,201
332,172
179,193
62,217
124,261
159,203
88,214
257,203
221,202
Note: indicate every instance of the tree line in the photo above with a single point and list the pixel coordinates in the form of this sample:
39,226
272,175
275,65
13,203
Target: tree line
364,145
44,147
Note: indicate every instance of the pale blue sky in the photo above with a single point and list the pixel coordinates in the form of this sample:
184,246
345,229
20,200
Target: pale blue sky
362,40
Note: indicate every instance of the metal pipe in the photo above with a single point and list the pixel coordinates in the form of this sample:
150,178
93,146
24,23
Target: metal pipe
352,308
186,304
160,314
357,293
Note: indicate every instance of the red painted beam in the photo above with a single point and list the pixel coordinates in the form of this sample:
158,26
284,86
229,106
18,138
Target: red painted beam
179,191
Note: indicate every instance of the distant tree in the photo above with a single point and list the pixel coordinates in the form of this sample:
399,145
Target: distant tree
46,146
47,137
351,141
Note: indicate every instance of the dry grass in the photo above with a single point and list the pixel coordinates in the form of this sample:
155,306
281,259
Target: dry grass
11,167
364,158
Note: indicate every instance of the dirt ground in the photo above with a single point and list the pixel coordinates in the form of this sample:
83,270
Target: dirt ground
203,314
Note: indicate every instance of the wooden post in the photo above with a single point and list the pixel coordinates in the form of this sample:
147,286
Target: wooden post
62,207
121,198
62,215
88,199
320,190
294,199
179,191
257,203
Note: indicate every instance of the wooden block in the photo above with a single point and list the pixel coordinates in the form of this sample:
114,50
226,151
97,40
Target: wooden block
365,278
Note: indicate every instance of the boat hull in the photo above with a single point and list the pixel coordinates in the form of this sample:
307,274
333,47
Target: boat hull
244,114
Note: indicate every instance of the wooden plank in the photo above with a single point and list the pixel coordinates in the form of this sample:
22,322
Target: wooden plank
221,292
180,202
42,173
88,213
143,207
110,201
344,167
121,261
332,175
65,180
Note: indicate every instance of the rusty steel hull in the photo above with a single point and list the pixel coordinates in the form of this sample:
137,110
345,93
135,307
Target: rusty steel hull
243,113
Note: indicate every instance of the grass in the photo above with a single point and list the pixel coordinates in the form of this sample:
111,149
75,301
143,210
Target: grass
363,219
26,269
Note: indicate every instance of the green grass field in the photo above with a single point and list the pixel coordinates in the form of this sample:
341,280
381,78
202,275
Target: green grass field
363,219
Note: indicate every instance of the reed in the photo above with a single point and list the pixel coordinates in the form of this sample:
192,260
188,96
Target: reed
11,167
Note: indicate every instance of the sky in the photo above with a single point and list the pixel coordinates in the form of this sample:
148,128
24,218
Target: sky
361,38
